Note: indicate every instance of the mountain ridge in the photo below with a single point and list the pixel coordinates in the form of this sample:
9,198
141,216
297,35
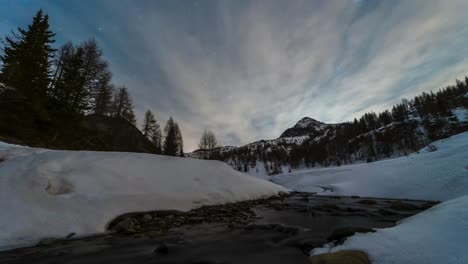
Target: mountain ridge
406,128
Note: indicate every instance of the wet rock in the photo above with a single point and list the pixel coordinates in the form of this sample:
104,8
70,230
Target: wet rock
207,262
330,206
354,210
341,234
428,205
385,212
341,257
367,201
146,218
128,225
162,249
70,235
306,244
402,206
165,213
48,241
196,219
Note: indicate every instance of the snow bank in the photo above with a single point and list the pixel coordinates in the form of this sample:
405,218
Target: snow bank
461,114
438,235
439,175
47,193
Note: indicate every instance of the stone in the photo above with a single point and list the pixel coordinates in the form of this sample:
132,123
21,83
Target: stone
341,257
146,218
340,234
48,241
162,249
366,201
402,206
70,235
128,225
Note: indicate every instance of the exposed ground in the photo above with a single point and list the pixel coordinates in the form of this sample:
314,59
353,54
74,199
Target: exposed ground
276,230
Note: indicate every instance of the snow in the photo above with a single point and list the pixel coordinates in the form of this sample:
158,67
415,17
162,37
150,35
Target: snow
438,235
50,193
461,114
439,175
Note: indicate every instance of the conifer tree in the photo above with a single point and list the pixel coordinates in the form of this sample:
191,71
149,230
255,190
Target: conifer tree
123,105
149,124
179,141
102,104
170,141
26,59
81,75
156,138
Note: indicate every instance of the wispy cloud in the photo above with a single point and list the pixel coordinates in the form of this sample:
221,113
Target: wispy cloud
249,69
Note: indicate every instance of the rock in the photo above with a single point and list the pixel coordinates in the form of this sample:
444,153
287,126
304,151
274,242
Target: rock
354,210
385,212
367,202
70,235
128,225
341,234
305,244
207,262
162,249
341,257
146,218
48,241
402,206
165,213
196,219
330,206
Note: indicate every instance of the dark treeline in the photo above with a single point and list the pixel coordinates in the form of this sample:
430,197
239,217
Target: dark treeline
407,127
52,97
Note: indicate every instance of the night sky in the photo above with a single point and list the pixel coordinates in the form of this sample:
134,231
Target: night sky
249,69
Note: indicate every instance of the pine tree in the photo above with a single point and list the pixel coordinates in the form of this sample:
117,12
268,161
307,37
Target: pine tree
179,141
26,63
170,141
152,131
103,94
25,73
122,105
149,123
156,138
81,75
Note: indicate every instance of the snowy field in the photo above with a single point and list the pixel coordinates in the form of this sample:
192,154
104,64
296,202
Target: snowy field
439,175
47,193
439,235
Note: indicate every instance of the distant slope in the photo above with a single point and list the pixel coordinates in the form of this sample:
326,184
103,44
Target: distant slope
311,143
438,173
437,235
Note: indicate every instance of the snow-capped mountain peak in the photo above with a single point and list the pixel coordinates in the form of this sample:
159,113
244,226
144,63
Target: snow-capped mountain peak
305,126
308,122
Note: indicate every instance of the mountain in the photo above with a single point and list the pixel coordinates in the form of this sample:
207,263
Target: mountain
406,128
305,127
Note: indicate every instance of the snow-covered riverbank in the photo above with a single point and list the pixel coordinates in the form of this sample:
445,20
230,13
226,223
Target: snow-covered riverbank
48,193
